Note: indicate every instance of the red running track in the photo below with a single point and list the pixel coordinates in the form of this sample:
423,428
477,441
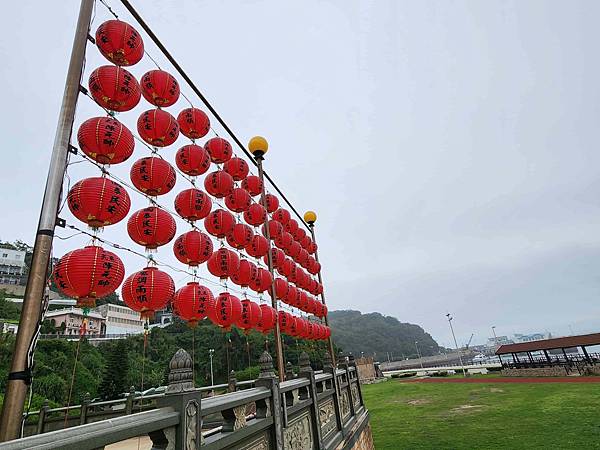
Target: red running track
509,380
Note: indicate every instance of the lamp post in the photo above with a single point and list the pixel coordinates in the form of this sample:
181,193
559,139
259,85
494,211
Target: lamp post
418,353
212,377
495,337
456,344
258,146
19,376
310,217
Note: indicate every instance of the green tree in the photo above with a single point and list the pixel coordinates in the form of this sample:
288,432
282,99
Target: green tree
8,309
114,381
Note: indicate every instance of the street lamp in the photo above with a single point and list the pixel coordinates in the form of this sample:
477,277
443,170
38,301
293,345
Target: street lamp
419,353
210,355
495,337
456,344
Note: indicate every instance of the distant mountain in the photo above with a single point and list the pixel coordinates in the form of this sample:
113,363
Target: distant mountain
374,333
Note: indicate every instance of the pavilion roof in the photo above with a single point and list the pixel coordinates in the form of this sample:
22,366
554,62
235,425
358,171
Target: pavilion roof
550,344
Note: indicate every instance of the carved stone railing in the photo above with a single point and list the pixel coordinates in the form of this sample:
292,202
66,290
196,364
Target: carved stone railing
310,410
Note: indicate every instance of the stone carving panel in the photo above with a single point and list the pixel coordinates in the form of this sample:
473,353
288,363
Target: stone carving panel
345,405
260,442
240,417
327,417
355,395
192,425
298,434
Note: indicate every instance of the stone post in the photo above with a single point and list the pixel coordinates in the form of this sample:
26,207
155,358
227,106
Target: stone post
84,409
129,401
183,398
328,368
289,371
306,371
42,417
232,382
266,408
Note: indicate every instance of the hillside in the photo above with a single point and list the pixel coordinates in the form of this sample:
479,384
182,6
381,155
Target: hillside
374,333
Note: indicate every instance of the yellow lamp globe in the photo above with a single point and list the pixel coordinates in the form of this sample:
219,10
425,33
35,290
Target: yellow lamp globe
310,217
258,146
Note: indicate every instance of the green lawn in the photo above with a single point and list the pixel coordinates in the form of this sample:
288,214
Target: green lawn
484,416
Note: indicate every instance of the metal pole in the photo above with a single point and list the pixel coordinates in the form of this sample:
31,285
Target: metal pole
329,339
20,372
212,377
418,353
456,344
495,337
277,332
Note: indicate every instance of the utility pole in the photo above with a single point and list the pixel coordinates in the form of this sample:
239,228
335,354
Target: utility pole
19,376
456,344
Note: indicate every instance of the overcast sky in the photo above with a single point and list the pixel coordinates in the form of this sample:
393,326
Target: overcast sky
449,148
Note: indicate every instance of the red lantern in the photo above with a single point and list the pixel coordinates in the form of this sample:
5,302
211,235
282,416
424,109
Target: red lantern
240,236
219,223
284,240
293,250
293,328
245,274
238,200
275,229
255,215
306,243
299,235
227,311
249,317
292,296
253,185
88,273
98,201
314,267
237,168
262,281
153,176
285,267
301,327
148,291
272,203
281,288
218,184
219,150
267,319
160,88
285,321
158,127
223,263
258,246
120,43
192,160
193,204
151,227
302,258
291,227
193,303
105,140
193,248
277,257
114,88
282,216
293,273
193,123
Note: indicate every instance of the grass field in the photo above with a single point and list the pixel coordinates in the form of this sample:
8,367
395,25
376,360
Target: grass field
488,415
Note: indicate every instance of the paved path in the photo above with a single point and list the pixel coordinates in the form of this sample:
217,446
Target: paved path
508,380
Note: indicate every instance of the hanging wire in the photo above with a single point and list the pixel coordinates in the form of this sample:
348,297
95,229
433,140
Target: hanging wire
72,380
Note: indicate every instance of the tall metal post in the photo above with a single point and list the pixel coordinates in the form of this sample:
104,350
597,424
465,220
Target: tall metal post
456,344
311,224
259,157
419,353
19,376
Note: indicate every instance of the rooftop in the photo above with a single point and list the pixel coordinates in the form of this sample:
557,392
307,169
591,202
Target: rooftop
550,344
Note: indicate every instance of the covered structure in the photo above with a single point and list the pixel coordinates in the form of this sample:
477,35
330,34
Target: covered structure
550,345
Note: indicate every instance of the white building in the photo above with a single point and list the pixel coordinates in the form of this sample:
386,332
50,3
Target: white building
73,319
12,266
121,319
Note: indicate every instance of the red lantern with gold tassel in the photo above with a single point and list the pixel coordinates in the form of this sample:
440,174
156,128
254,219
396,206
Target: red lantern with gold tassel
98,201
114,88
255,215
253,185
240,236
281,288
158,128
267,320
219,149
282,216
193,303
151,227
237,168
193,123
272,203
275,229
193,204
285,321
249,317
88,274
238,200
148,291
105,140
153,176
192,160
262,281
160,88
218,184
258,246
193,248
277,257
245,274
223,263
227,310
120,43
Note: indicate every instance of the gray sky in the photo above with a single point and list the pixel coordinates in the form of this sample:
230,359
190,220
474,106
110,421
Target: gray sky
449,148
